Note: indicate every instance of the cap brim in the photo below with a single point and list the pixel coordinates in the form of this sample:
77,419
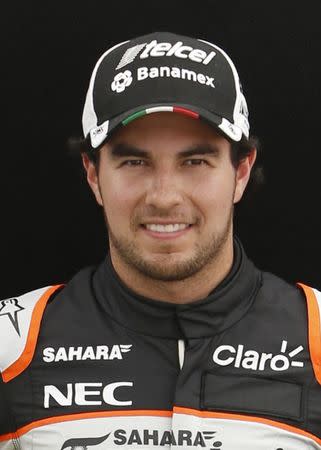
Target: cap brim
103,131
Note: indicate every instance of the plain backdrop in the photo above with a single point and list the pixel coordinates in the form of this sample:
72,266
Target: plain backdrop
50,224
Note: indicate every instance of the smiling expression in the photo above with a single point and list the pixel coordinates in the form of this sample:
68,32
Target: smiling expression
167,186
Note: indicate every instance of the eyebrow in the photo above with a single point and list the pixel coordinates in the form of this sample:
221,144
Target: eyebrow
122,150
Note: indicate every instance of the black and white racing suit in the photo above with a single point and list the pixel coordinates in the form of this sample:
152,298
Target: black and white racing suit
93,365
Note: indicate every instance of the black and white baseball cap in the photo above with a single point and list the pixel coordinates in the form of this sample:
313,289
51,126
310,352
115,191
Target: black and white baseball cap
163,71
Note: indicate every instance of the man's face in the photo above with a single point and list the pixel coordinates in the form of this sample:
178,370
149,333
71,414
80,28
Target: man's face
167,186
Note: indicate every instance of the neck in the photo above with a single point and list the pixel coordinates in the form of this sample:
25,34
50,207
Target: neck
184,291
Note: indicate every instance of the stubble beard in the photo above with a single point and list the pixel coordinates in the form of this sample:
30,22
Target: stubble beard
166,268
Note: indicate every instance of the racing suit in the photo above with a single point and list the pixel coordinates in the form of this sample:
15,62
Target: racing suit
92,365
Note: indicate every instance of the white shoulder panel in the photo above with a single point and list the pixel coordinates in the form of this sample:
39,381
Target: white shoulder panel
15,318
7,445
318,297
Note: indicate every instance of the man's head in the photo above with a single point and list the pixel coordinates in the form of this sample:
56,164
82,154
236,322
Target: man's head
167,185
163,112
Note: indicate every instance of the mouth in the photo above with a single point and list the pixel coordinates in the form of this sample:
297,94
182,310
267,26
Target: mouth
166,231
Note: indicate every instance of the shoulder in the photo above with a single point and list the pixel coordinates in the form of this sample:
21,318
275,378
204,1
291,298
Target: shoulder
20,318
280,293
298,305
284,302
275,284
276,287
313,300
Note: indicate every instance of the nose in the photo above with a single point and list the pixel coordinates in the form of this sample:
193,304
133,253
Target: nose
164,191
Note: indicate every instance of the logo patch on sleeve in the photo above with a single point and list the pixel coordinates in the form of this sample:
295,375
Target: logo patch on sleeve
10,308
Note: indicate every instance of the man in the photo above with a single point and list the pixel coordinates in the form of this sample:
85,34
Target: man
176,340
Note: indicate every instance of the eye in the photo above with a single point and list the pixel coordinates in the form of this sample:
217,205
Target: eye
195,162
133,162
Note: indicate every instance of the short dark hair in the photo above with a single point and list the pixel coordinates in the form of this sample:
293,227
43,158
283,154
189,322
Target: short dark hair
239,151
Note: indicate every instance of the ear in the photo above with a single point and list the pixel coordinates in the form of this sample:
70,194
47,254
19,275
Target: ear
243,173
92,177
